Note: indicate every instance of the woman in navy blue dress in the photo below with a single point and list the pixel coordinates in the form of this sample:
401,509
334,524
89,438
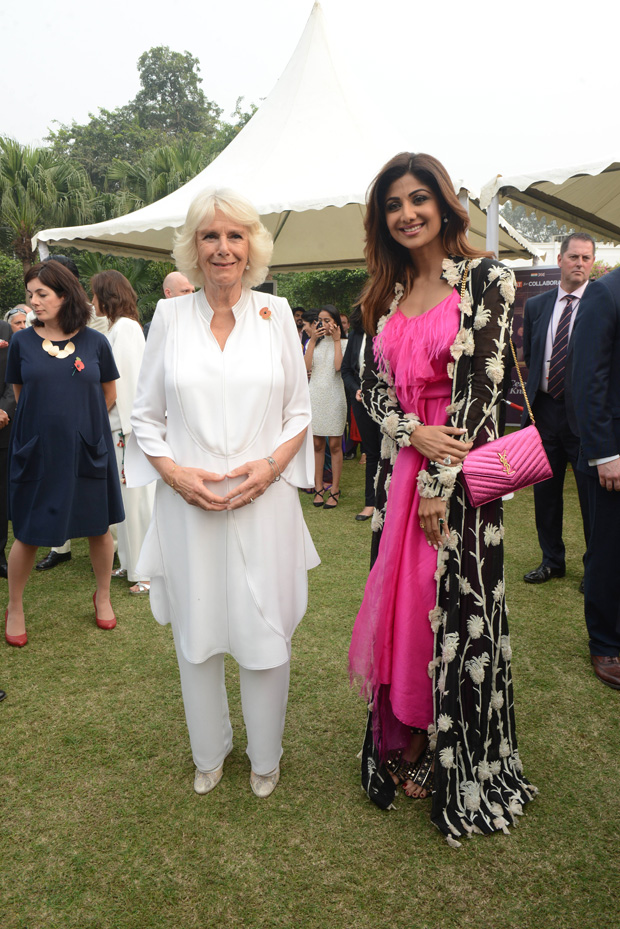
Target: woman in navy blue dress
63,481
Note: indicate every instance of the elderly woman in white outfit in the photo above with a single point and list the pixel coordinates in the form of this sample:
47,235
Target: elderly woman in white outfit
221,418
115,299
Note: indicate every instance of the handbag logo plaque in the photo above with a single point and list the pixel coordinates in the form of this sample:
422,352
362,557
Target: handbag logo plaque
504,461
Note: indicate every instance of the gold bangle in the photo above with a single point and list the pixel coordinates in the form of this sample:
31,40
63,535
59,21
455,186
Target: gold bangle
171,479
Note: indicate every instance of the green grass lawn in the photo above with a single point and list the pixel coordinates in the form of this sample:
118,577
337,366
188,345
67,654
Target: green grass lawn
100,826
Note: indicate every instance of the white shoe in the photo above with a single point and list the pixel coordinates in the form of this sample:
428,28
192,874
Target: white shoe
264,784
205,781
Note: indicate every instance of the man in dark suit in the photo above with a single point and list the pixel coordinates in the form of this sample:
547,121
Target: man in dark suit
594,401
7,411
548,322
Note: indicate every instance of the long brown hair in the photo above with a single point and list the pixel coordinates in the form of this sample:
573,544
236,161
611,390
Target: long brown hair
388,261
115,295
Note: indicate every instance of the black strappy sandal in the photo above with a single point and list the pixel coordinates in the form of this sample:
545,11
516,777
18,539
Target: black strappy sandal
335,496
318,493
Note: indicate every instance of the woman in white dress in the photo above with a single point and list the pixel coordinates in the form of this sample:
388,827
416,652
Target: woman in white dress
221,418
323,357
115,298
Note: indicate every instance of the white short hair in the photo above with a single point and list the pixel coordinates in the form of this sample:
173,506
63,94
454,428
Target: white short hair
239,210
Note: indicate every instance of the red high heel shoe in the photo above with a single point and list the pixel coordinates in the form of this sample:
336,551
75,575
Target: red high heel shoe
18,640
103,623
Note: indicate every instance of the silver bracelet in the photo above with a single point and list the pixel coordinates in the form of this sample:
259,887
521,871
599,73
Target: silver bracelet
274,466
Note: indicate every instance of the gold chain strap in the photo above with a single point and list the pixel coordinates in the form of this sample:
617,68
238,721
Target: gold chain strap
464,281
527,402
514,354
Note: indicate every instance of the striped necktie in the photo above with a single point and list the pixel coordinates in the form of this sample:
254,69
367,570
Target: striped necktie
557,364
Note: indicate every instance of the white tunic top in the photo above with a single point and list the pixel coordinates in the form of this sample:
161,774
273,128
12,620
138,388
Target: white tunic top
232,581
127,340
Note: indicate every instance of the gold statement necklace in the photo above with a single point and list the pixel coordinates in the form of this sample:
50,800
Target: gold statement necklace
56,352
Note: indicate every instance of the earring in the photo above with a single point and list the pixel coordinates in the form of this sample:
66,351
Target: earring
445,219
247,267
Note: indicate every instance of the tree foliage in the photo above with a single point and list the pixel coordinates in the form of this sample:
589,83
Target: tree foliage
39,189
146,277
169,108
12,289
534,229
315,288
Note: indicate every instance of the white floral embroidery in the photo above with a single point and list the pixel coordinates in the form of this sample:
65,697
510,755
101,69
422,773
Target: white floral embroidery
446,757
432,666
496,767
504,748
447,477
376,523
492,535
441,683
471,795
450,646
465,305
464,585
455,407
451,273
507,288
517,763
475,626
494,272
390,425
484,771
425,485
463,344
450,369
483,315
505,647
494,368
436,618
475,667
501,823
444,723
452,542
515,807
498,591
497,699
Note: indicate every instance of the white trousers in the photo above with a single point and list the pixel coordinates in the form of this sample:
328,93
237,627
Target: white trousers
264,695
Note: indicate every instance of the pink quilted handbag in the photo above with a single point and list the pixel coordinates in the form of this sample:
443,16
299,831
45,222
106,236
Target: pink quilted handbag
504,465
516,460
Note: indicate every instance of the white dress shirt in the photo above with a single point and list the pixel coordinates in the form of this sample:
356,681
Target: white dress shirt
558,309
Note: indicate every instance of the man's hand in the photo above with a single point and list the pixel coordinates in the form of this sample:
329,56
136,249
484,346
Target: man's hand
609,474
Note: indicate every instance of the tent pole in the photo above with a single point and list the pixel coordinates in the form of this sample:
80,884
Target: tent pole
493,225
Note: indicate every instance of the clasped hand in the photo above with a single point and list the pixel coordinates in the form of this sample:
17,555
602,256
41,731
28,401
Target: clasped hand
190,483
437,443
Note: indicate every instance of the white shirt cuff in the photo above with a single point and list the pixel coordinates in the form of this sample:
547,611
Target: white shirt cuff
599,461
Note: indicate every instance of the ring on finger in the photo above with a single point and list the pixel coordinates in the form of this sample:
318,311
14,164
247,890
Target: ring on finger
251,499
421,525
447,460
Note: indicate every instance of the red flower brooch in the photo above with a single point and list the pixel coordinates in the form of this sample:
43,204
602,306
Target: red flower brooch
265,312
78,365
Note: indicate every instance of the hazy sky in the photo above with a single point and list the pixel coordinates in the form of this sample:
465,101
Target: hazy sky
489,87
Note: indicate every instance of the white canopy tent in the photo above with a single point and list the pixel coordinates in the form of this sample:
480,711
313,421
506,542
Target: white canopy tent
304,160
586,197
